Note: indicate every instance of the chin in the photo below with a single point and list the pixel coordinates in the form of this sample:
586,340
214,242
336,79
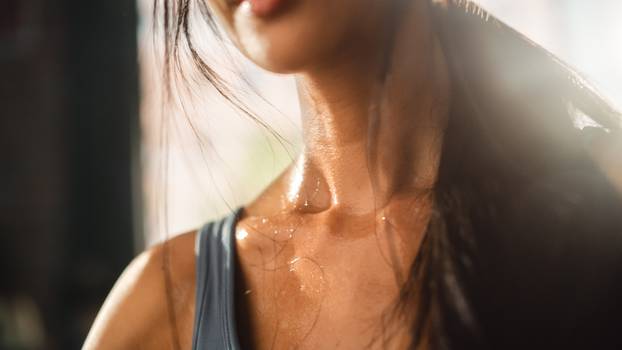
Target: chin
296,35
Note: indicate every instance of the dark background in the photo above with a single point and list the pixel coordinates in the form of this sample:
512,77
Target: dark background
68,161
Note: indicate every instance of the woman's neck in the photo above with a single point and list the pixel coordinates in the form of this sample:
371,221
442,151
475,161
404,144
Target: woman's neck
367,142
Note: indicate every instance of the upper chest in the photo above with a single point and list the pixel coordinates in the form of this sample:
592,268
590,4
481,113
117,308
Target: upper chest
319,285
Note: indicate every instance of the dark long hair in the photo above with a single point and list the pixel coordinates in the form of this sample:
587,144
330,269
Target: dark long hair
524,247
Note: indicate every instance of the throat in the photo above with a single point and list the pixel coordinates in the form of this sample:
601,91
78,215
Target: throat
368,140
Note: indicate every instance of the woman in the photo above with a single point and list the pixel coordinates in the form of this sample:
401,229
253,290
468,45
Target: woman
443,199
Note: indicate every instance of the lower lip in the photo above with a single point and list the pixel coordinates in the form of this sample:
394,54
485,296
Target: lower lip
264,8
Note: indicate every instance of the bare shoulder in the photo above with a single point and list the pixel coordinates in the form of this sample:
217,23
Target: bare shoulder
136,314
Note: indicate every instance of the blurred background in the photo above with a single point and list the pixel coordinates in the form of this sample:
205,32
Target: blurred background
93,167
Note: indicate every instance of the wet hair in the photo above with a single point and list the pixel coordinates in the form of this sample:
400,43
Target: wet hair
524,246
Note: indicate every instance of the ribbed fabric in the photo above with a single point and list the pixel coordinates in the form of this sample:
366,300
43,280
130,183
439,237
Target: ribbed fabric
214,321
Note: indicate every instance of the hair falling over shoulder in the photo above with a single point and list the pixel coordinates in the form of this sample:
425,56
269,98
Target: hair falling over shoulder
523,247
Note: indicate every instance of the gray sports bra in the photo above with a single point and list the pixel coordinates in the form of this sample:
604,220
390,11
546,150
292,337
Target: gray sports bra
214,320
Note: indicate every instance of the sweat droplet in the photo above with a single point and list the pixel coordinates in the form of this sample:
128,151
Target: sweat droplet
242,234
292,262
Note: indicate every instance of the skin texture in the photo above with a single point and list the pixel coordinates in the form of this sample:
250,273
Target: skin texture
324,250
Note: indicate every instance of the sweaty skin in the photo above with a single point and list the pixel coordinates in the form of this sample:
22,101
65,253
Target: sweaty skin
324,250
